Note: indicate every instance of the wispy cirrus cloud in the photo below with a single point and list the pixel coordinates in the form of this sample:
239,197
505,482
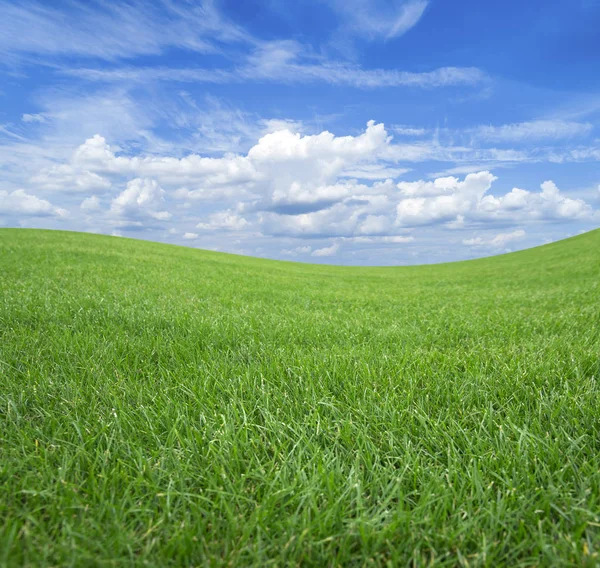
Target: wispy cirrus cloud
377,20
543,129
108,33
288,62
92,40
532,131
34,30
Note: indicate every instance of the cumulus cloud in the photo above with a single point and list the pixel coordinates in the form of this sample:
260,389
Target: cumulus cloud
548,204
302,185
90,204
283,167
19,202
295,183
443,199
97,155
66,178
283,145
141,198
299,173
449,199
190,236
326,251
224,220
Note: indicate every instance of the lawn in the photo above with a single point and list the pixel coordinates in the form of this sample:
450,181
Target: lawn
165,406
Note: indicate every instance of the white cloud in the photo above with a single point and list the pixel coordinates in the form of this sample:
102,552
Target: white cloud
291,184
466,169
291,72
66,178
141,198
408,16
408,131
499,241
297,251
302,185
90,204
117,31
374,171
297,172
110,30
379,20
277,124
19,202
456,224
288,62
474,242
394,239
375,224
190,236
548,204
283,168
283,145
224,220
326,251
33,118
531,131
291,174
450,200
441,200
503,238
96,155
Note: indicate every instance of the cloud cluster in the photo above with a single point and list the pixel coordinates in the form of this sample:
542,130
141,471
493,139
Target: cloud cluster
67,178
340,189
19,202
302,185
448,198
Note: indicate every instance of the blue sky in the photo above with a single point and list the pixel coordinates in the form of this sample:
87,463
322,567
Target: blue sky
338,131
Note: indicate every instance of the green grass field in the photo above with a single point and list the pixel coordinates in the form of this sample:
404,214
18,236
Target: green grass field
168,406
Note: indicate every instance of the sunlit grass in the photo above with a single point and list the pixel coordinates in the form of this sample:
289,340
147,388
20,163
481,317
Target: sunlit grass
167,406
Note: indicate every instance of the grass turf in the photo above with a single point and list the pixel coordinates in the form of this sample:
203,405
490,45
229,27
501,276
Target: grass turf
167,406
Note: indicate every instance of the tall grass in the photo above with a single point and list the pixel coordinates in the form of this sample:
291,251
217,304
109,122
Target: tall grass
166,406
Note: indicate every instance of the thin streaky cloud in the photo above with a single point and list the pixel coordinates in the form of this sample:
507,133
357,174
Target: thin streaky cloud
110,31
335,73
409,16
378,21
532,130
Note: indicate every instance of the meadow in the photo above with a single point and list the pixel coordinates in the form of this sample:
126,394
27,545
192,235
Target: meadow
165,406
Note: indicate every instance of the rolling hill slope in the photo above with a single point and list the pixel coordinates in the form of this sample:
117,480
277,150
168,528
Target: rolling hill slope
169,406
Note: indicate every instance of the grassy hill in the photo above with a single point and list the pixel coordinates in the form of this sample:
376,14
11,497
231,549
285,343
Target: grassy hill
168,406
